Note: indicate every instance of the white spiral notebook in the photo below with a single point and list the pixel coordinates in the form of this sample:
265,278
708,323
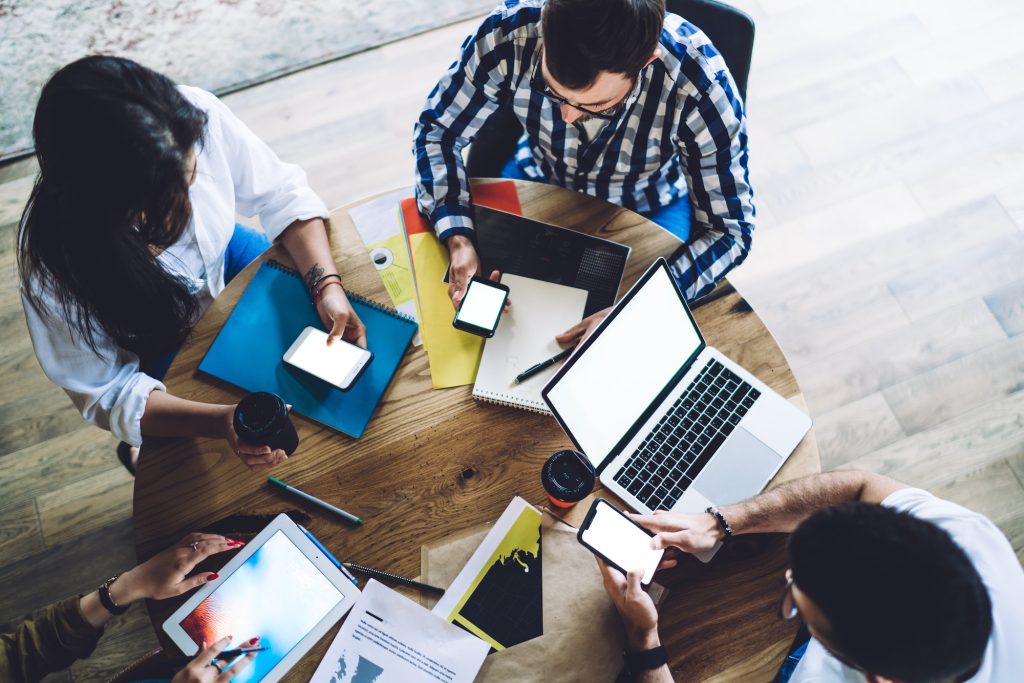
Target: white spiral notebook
525,337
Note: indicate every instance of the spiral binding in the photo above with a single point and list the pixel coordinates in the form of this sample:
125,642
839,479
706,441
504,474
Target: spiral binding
510,401
277,265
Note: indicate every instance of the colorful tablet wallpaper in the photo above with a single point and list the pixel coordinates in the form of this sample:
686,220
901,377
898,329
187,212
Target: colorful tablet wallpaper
277,594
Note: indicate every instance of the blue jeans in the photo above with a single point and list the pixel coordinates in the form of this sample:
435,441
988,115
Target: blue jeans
676,217
245,246
789,666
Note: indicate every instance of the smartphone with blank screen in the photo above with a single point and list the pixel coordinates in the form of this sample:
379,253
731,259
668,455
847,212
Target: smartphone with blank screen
618,540
339,364
481,307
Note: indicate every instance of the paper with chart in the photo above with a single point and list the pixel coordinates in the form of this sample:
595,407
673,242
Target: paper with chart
388,638
379,224
497,595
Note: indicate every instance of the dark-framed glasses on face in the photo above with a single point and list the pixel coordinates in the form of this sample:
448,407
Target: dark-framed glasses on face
538,85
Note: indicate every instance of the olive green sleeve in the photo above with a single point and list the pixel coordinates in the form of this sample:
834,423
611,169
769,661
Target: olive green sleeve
51,642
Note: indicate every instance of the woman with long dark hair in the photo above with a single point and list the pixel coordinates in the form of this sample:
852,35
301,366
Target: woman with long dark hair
130,233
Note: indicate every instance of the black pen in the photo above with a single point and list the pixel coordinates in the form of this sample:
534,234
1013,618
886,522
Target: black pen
388,576
543,365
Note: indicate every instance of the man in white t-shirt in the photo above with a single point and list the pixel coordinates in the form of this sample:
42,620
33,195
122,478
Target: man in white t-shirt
892,583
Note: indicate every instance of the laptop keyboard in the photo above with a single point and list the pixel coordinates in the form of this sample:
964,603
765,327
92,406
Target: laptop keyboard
683,441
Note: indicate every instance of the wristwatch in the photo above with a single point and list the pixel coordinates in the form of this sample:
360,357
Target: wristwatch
645,660
105,599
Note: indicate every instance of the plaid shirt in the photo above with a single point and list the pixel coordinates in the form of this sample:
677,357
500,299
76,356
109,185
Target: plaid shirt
683,126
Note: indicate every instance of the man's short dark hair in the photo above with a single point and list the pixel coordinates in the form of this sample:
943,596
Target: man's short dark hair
584,37
902,599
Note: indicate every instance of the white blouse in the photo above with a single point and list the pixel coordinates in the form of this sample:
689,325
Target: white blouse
236,173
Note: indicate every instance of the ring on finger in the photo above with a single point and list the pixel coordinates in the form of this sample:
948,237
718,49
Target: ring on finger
194,545
216,665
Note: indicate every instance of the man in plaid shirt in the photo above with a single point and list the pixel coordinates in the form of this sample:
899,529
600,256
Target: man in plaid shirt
617,99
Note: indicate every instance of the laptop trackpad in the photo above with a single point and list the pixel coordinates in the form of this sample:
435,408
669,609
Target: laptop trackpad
740,469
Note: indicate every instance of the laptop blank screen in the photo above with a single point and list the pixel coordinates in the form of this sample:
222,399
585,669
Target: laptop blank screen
615,379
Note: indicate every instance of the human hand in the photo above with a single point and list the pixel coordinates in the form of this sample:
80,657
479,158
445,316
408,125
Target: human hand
689,532
634,605
256,458
579,332
464,264
165,575
339,318
203,669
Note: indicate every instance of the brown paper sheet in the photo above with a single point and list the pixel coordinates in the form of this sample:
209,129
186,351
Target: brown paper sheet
583,637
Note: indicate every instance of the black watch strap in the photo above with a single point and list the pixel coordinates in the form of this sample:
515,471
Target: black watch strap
107,602
645,659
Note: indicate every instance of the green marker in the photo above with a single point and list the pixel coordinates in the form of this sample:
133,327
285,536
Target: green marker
314,500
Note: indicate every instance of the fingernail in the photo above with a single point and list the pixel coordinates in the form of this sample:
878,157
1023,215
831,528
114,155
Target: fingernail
229,637
253,641
235,544
213,576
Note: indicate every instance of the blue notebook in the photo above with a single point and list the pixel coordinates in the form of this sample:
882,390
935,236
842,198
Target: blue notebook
272,312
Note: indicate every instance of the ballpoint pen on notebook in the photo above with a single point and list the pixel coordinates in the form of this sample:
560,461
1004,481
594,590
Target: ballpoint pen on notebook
543,365
316,501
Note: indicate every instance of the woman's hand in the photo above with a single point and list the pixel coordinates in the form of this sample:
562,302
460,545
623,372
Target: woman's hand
165,575
339,318
204,668
256,458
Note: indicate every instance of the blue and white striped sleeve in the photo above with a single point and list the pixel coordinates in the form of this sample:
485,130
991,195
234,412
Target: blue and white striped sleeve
713,141
455,110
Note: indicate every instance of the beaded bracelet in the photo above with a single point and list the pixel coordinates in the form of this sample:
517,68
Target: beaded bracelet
713,511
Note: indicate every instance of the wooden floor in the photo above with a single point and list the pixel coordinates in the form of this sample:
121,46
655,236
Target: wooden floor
888,161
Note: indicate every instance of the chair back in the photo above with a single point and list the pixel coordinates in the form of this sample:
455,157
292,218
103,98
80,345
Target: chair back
730,29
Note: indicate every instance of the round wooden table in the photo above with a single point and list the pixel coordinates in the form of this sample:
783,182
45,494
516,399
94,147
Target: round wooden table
436,462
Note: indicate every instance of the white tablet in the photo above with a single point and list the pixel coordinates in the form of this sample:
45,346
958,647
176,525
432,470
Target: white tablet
281,588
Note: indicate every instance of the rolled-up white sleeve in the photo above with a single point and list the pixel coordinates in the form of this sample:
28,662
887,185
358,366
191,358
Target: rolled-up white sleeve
265,186
106,386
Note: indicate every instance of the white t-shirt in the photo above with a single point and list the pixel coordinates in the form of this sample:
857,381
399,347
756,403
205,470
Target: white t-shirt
999,569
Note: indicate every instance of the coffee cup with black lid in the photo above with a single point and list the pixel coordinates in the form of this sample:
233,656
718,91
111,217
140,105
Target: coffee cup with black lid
261,419
568,477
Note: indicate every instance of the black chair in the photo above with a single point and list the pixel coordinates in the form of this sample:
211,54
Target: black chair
730,29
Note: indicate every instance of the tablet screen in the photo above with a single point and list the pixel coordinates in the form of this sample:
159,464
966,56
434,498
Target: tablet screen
277,594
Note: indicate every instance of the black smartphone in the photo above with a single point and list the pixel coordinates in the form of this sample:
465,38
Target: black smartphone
481,307
619,541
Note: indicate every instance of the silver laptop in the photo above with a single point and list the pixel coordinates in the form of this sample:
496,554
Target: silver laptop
669,422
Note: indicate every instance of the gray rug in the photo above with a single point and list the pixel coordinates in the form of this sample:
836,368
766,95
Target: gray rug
219,45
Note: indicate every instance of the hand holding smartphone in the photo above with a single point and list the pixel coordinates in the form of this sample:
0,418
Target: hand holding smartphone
619,541
481,307
339,364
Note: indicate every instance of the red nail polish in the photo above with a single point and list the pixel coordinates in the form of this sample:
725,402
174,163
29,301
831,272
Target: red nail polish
213,576
253,641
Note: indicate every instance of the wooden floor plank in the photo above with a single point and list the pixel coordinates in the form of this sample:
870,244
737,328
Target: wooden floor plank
834,379
55,463
86,505
1007,305
972,273
989,433
19,530
947,391
854,429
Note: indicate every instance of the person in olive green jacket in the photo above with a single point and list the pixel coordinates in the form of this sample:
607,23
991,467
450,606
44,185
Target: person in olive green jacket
69,630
